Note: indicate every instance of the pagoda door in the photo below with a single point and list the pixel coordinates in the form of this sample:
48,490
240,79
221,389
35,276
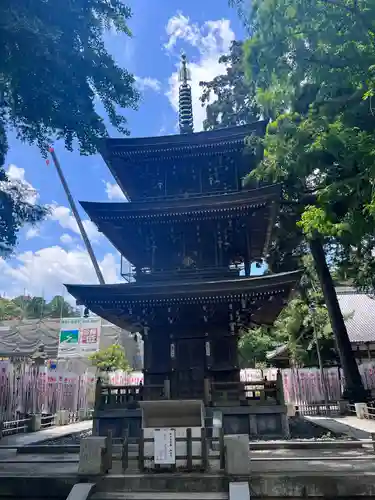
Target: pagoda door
189,369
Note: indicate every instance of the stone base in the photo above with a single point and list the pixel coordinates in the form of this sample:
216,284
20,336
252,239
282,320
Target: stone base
263,421
118,422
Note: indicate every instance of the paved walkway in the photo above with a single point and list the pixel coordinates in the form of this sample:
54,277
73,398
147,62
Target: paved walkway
352,426
262,461
50,433
17,440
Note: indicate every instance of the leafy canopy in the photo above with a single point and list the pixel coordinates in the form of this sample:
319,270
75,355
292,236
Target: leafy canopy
36,308
110,359
229,98
57,79
294,328
55,65
312,64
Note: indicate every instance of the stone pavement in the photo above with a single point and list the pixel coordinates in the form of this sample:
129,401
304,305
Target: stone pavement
50,433
357,461
351,425
18,440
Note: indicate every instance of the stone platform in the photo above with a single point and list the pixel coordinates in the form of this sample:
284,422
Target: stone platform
274,473
258,421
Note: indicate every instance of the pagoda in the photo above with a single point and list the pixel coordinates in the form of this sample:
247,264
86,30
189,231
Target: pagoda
193,235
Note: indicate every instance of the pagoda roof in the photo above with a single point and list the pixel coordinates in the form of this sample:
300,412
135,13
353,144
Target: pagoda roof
125,157
175,144
113,218
114,302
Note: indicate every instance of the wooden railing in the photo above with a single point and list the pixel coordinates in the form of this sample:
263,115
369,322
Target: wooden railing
254,392
214,393
210,449
112,397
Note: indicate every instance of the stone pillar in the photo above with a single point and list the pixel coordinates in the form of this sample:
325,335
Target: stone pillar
237,454
35,423
62,417
82,413
93,456
167,389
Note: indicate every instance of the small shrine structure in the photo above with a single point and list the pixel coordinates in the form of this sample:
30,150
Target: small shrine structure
193,235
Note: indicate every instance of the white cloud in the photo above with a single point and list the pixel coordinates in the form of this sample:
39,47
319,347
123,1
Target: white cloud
210,39
114,191
147,83
66,238
64,217
33,232
45,271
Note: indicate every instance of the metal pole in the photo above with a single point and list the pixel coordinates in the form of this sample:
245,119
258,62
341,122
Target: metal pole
77,217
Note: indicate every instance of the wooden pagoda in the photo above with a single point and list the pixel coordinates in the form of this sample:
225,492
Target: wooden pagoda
193,235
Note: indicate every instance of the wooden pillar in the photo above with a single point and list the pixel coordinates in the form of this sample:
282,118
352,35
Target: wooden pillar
354,389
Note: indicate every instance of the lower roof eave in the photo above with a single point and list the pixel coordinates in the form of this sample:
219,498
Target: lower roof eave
160,289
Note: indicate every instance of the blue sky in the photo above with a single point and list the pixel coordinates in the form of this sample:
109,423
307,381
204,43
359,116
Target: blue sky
53,254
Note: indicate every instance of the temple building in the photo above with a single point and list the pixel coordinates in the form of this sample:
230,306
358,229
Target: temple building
193,235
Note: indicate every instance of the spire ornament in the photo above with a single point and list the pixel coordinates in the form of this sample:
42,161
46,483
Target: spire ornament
185,100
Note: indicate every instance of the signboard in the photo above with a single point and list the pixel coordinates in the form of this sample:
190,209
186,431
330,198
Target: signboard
165,446
79,337
90,335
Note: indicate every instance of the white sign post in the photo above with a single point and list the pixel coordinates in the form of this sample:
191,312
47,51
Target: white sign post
79,337
164,446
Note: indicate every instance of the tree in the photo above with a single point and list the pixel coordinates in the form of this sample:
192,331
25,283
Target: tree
311,64
54,67
321,141
304,317
110,359
59,308
55,73
16,210
39,308
8,309
234,95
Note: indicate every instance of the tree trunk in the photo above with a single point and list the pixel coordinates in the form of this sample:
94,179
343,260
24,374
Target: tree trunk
354,389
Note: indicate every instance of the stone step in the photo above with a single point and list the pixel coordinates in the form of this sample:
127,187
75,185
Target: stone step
157,495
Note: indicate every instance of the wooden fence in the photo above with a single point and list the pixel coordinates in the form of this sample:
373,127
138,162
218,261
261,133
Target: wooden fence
212,449
26,389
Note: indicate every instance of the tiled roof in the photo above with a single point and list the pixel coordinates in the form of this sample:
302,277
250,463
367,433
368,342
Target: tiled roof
359,312
23,337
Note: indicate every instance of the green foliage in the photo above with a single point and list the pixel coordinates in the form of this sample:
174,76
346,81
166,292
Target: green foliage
55,65
16,210
8,309
295,327
312,66
55,73
110,359
232,94
37,308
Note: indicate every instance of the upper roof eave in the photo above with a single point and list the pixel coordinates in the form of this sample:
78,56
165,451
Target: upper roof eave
144,145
